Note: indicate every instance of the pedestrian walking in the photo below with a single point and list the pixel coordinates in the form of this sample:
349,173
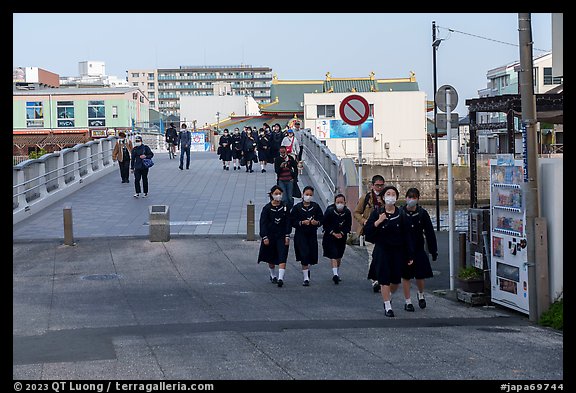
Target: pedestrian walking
285,168
121,154
372,200
237,146
264,148
172,140
250,145
337,224
225,149
387,229
139,152
275,141
419,227
291,143
185,142
306,217
275,232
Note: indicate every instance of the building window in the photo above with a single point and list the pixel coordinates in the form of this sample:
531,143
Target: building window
150,76
96,114
34,114
150,85
65,113
549,79
114,112
135,75
135,84
325,111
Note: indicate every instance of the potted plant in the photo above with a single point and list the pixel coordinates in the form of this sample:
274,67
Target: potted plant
471,279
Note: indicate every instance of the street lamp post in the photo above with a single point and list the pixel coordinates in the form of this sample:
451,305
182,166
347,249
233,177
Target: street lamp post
435,45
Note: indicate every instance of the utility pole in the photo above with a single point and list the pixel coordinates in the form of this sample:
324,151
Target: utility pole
434,49
530,190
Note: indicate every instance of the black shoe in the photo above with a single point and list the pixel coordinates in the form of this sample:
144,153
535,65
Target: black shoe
187,167
180,167
376,287
280,283
224,168
263,170
409,307
251,171
306,283
227,168
336,279
234,168
389,313
274,280
422,303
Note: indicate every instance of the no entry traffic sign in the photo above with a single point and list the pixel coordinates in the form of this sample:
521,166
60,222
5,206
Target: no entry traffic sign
354,110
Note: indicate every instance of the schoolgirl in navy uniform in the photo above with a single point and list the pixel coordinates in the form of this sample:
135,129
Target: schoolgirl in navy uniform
264,148
275,232
250,145
420,227
306,217
337,224
237,148
393,248
225,150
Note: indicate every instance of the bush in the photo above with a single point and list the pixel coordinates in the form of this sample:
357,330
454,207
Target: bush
37,154
554,317
470,273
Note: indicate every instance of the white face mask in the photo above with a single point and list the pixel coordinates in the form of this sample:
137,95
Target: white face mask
307,198
411,202
121,140
137,143
376,192
277,197
389,200
340,206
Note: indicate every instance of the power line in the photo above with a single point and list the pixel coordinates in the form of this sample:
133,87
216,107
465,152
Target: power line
486,38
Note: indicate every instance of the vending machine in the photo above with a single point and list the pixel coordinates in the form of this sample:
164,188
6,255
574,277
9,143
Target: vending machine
509,257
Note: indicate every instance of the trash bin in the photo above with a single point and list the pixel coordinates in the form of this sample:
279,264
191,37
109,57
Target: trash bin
159,223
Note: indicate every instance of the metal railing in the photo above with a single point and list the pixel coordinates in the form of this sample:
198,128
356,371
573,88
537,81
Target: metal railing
39,182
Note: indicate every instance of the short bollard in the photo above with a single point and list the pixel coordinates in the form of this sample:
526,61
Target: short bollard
462,249
250,236
159,223
68,230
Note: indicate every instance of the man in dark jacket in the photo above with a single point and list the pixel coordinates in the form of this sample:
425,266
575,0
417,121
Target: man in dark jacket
184,141
172,140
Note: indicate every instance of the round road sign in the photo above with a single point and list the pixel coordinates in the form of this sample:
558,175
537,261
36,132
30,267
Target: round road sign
441,98
354,110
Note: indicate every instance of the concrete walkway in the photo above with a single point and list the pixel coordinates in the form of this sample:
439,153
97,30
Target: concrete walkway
118,307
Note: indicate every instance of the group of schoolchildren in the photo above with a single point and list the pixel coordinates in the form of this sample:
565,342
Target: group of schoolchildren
252,145
395,238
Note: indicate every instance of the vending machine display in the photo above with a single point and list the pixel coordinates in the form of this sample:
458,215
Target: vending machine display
509,259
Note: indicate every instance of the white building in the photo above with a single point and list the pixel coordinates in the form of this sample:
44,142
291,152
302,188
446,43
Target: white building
395,131
211,109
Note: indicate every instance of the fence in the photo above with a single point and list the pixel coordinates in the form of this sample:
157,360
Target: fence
39,182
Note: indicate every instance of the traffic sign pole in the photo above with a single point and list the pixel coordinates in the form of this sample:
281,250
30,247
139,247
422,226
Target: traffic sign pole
360,161
354,110
450,188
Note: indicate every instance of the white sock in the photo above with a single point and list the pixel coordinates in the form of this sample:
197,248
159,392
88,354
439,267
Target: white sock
335,271
409,301
305,274
420,295
261,165
281,274
387,305
272,272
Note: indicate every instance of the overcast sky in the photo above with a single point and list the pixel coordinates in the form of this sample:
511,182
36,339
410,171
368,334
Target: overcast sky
295,46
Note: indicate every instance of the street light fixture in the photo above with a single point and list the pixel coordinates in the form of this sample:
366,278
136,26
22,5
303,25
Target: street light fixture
435,45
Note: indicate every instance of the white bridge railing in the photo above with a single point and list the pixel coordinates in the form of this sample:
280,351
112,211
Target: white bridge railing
39,182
